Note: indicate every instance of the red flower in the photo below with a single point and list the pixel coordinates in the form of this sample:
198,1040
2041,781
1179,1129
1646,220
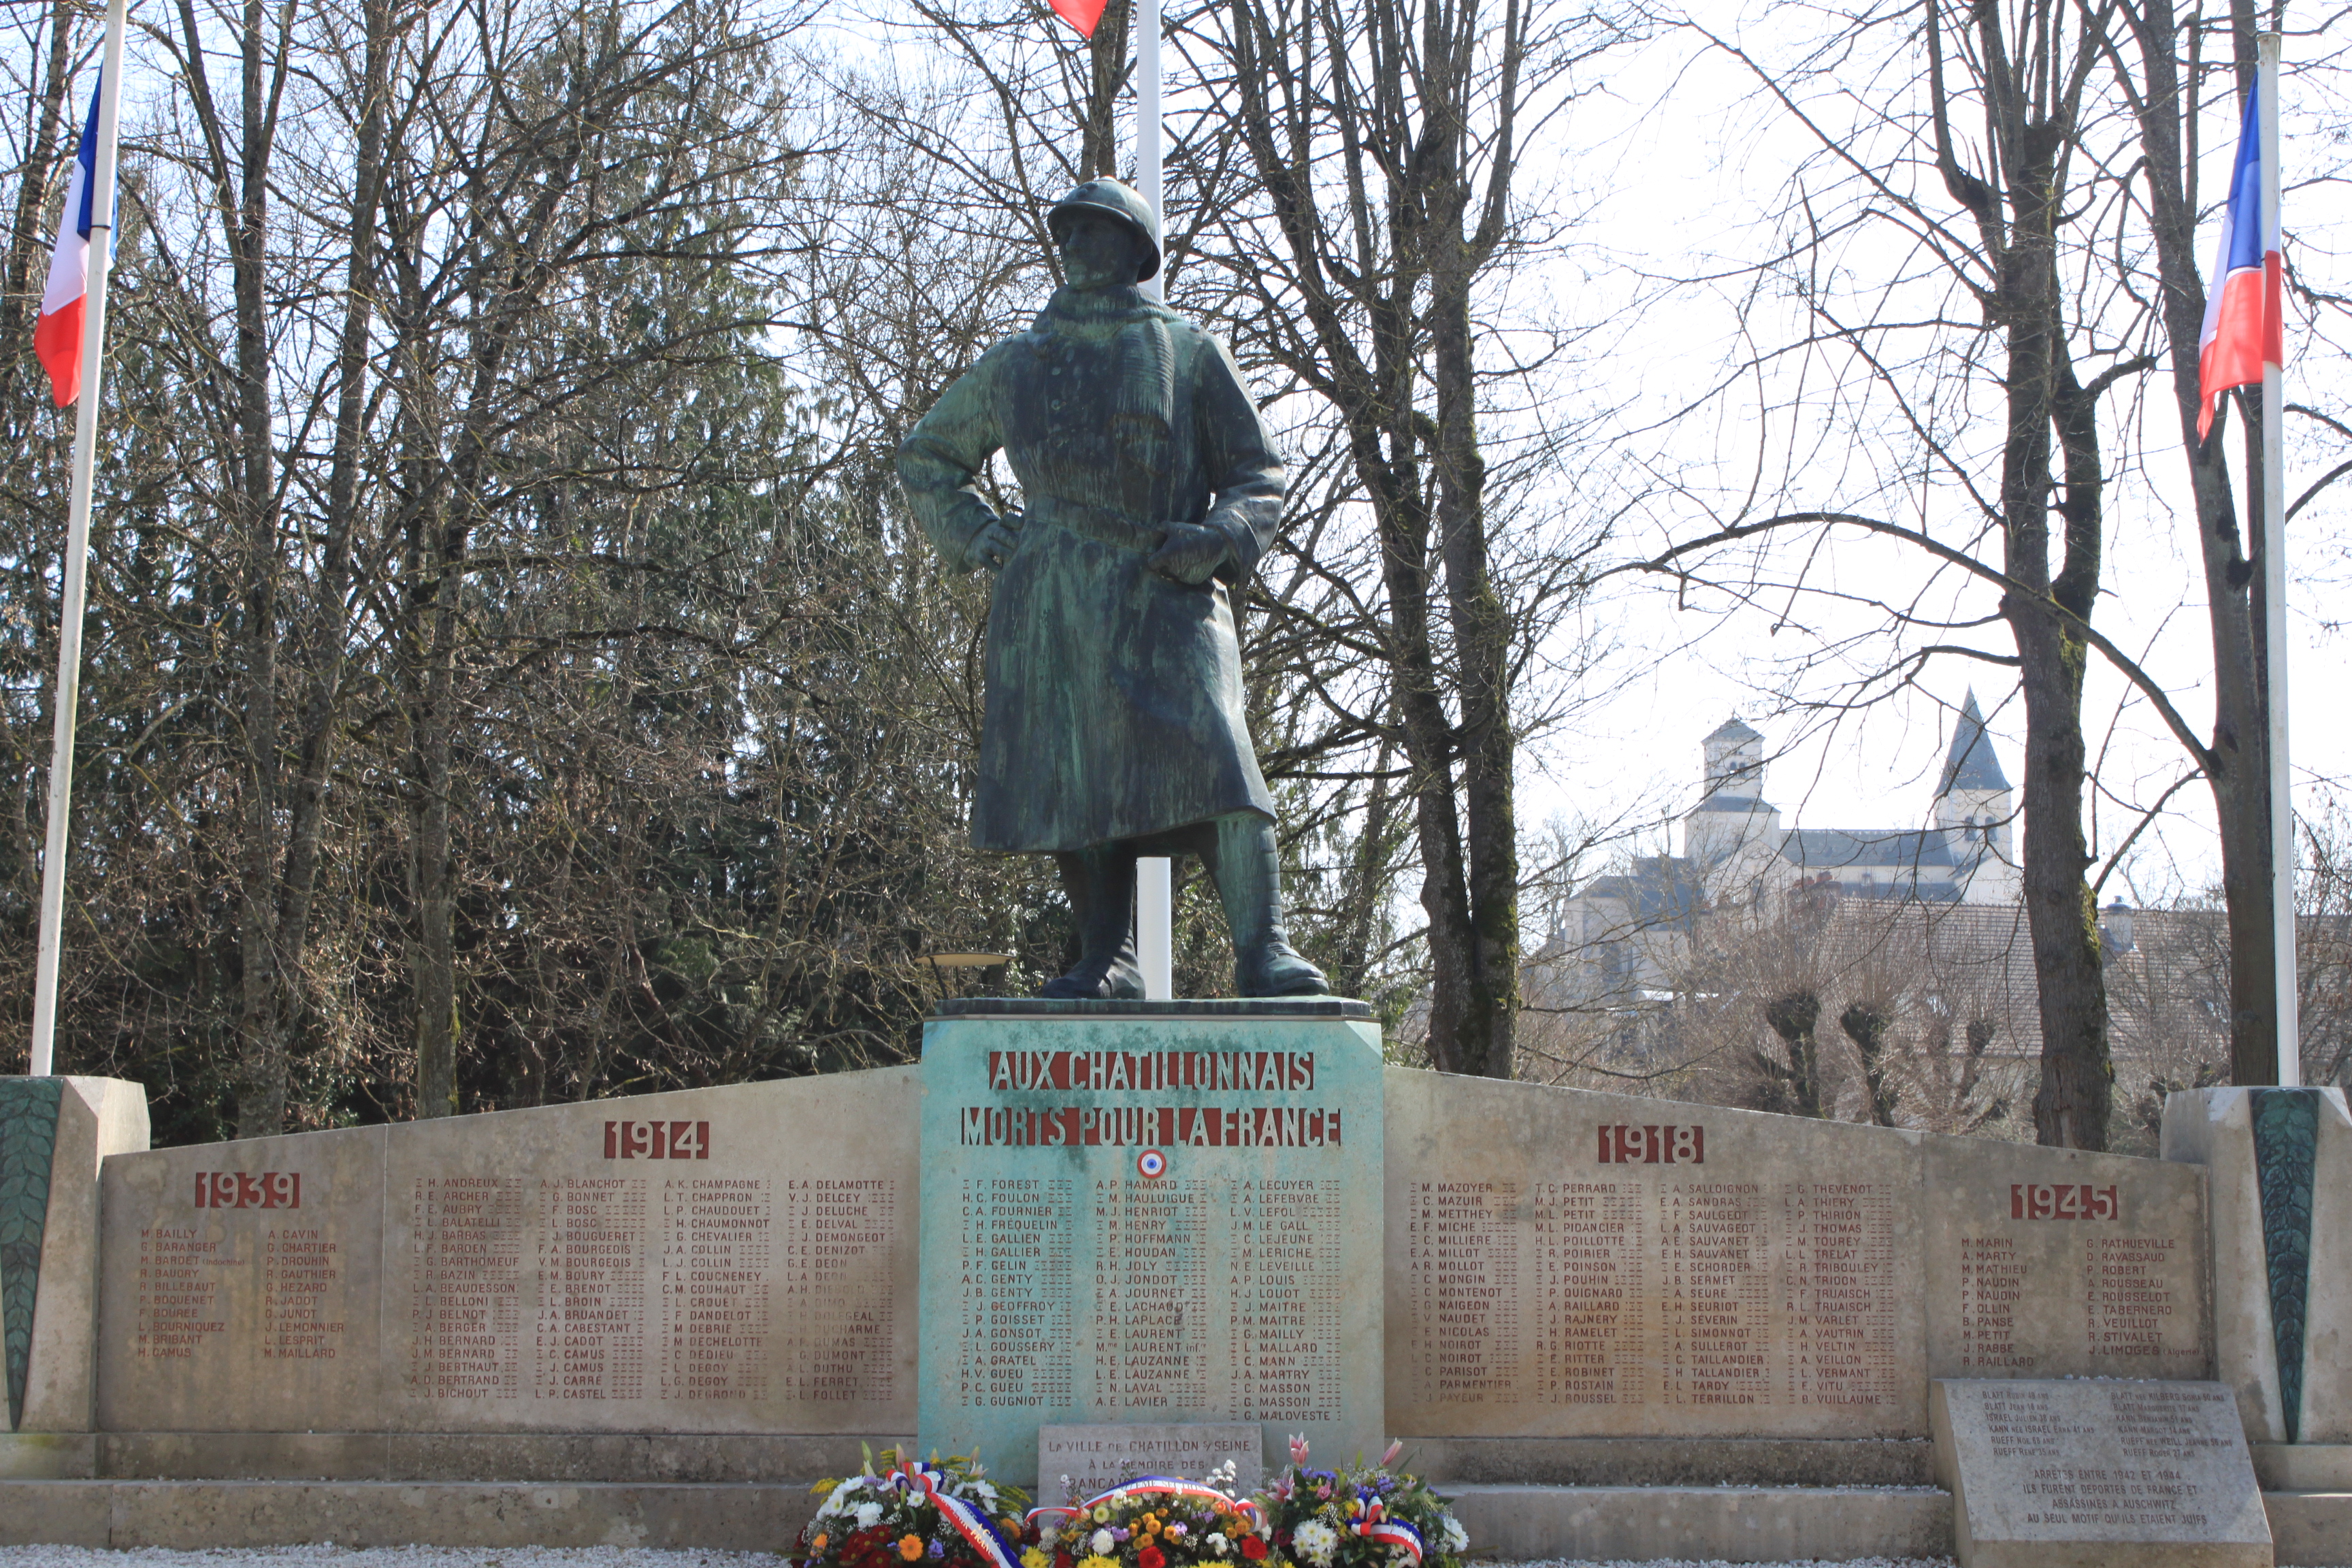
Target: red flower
1064,1560
1151,1557
1253,1547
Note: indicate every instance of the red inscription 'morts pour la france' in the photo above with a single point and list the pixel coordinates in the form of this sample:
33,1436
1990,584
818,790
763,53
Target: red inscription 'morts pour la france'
1198,1127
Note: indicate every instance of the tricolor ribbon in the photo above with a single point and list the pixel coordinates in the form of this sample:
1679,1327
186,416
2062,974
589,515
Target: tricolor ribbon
1374,1524
1155,1485
978,1530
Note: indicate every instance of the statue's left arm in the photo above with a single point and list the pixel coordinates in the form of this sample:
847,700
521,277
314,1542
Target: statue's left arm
1245,470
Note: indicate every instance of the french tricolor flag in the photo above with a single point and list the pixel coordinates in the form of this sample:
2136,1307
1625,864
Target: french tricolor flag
57,339
2243,310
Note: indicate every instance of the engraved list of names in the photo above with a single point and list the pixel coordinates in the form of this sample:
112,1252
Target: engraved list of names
1185,1230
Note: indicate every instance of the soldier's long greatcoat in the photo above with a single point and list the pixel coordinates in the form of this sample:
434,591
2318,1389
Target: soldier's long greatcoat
1114,700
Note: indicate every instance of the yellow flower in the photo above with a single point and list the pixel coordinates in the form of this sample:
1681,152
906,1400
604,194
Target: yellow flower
1035,1558
1102,1516
1097,1562
817,1546
1354,1508
910,1547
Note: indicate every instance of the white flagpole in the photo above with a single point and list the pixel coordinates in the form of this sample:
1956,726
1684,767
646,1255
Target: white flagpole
1155,923
76,556
2274,632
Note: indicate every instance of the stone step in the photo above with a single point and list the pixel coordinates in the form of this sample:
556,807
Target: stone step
2310,1529
1735,1524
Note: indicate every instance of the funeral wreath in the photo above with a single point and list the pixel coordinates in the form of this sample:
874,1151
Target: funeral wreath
1152,1521
939,1511
1360,1515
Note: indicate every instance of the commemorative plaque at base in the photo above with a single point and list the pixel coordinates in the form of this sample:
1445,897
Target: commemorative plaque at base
1150,1218
1075,1463
2098,1473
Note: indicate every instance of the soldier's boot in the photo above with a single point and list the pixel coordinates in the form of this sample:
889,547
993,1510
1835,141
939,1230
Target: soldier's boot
1248,875
1101,888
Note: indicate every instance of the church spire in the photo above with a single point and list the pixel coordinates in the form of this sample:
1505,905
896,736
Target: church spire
1971,763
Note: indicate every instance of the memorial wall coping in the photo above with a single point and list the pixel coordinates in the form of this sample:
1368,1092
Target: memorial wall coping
2279,1165
1150,1219
53,1361
734,1259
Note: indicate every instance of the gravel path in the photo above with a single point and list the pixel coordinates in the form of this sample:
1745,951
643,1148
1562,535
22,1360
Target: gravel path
583,1557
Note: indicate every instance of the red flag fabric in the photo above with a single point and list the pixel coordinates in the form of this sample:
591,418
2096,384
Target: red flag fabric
1080,13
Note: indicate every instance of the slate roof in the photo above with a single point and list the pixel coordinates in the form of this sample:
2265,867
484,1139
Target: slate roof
1829,848
1749,804
1656,887
1970,763
1731,728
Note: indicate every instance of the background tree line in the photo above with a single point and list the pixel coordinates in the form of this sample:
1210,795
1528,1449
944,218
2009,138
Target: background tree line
513,676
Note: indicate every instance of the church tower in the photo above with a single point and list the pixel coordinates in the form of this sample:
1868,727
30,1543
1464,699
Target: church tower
1731,812
1977,811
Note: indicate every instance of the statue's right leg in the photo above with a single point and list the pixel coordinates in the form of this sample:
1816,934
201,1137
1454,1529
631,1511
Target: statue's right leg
1100,883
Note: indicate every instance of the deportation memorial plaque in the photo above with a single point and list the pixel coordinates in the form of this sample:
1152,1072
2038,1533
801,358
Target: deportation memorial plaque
2098,1473
1150,1219
1075,1463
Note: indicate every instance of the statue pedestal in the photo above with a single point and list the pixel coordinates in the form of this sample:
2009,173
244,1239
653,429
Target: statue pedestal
2279,1198
53,1134
1151,1213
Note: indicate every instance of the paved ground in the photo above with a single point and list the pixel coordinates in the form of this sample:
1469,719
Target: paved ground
573,1557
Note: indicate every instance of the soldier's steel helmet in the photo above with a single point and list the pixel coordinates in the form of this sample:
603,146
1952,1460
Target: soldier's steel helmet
1108,198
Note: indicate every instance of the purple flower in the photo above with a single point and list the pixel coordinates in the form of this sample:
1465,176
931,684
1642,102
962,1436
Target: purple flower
937,1549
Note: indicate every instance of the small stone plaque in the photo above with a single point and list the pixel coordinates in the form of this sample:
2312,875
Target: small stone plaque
2098,1473
1075,1462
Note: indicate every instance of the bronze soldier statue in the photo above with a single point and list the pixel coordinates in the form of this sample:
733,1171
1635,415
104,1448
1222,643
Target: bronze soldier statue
1150,489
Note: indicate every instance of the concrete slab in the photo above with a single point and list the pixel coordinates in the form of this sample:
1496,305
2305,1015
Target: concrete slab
699,1458
47,1456
2303,1466
1707,1523
1674,1461
2310,1529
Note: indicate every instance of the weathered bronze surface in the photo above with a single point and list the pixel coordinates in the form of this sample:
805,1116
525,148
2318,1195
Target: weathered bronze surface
1151,487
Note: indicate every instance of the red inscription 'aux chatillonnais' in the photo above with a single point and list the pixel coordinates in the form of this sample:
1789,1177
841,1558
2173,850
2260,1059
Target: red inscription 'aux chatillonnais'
657,1140
1198,1127
1247,1072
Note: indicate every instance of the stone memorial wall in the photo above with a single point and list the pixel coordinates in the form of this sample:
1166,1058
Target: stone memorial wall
1131,1219
1580,1266
723,1260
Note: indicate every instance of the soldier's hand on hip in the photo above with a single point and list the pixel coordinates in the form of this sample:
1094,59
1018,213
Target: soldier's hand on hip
1189,553
993,546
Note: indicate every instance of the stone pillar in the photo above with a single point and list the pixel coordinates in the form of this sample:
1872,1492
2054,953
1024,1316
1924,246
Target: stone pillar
54,1131
2279,1187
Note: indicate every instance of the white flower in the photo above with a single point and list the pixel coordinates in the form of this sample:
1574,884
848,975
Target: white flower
1219,1545
1103,1543
869,1514
983,1491
832,1504
1457,1537
1316,1541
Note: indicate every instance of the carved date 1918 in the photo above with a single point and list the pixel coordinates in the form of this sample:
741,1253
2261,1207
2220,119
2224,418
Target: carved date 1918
657,1140
1627,1145
249,1189
2064,1200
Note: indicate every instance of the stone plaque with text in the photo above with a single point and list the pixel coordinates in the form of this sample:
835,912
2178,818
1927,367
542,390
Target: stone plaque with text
1562,1264
1075,1463
2098,1473
2057,1263
1150,1219
737,1259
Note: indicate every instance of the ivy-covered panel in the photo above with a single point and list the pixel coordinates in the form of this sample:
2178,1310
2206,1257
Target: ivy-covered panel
2287,1156
28,1142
